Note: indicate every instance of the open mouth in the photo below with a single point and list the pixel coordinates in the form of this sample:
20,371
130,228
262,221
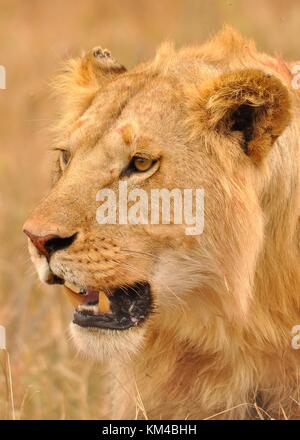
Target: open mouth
117,309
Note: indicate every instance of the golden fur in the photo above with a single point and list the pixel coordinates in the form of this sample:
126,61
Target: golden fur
219,342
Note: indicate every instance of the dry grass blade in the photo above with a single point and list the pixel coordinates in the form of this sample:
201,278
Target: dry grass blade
9,412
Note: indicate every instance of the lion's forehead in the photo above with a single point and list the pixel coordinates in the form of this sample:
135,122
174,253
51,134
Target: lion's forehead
151,110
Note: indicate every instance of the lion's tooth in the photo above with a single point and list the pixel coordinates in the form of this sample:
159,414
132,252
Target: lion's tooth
72,287
74,298
103,304
88,308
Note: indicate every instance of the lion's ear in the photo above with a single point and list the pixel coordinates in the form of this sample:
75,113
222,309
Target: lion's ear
98,66
81,78
251,102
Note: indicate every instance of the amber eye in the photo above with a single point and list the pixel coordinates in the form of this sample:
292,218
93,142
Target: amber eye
142,164
64,158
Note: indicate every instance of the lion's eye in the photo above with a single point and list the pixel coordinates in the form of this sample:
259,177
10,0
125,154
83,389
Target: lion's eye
141,164
64,158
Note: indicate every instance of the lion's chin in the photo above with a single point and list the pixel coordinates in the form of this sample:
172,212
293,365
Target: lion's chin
105,345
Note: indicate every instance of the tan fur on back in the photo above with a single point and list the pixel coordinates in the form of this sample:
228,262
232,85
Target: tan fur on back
219,344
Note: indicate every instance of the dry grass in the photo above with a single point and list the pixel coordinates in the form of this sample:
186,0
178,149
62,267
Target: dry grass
7,407
49,381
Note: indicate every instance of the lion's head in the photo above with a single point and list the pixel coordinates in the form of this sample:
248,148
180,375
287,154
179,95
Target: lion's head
206,118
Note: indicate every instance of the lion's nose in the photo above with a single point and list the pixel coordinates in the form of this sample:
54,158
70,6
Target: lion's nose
48,244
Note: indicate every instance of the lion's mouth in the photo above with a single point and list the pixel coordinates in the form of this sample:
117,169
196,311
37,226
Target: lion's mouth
118,309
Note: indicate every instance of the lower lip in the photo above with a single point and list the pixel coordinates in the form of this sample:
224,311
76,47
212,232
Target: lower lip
103,321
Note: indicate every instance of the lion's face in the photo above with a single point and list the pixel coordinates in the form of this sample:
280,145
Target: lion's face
126,279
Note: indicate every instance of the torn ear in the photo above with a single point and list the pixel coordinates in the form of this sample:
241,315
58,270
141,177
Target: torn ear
81,78
98,66
250,102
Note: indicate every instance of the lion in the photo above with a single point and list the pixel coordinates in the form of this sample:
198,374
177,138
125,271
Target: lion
188,326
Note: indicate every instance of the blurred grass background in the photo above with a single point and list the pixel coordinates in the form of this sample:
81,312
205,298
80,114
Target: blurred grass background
49,379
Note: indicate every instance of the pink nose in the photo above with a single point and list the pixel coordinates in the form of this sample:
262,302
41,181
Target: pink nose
50,243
